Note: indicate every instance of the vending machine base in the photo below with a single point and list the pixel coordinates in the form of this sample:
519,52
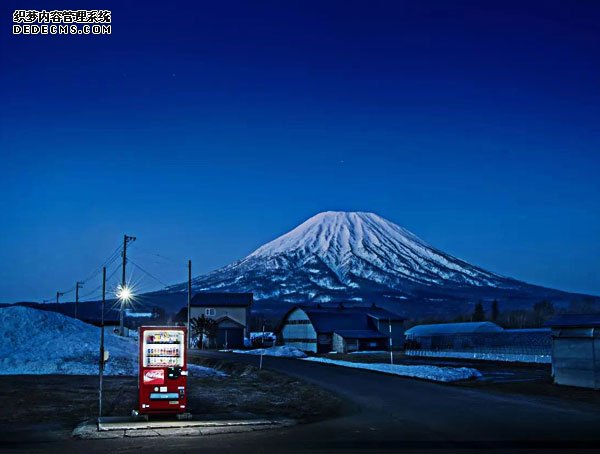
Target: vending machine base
136,416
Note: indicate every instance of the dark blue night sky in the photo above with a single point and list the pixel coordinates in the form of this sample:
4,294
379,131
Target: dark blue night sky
209,128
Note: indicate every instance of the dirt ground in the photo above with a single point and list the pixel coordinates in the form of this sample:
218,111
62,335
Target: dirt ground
50,406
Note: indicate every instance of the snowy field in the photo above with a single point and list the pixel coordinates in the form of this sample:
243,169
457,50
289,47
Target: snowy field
43,342
281,351
515,358
434,373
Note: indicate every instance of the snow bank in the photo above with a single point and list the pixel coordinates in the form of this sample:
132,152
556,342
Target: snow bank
282,351
434,373
42,342
507,357
33,341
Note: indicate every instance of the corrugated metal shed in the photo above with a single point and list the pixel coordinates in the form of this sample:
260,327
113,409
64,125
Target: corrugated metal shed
576,350
441,329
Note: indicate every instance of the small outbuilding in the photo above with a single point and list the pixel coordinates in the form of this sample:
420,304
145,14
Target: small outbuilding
348,341
576,350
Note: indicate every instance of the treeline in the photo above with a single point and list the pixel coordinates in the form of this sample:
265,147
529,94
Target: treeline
536,317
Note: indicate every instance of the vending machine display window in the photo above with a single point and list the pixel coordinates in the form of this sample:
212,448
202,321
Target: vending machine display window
163,348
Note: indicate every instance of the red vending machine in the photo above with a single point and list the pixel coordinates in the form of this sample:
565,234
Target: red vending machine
163,370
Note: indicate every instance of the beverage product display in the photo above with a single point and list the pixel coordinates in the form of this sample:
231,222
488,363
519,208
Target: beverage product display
163,348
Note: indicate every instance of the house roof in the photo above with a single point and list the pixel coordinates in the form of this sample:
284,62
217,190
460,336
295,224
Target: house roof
453,328
528,330
574,320
385,315
359,334
227,318
209,299
343,318
327,321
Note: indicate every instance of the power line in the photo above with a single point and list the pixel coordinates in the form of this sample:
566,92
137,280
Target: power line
93,292
111,258
147,273
148,252
109,261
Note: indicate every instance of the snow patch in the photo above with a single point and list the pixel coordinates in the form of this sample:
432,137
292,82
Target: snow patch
434,373
281,351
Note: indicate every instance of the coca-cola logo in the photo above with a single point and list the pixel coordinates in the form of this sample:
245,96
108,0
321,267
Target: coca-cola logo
154,377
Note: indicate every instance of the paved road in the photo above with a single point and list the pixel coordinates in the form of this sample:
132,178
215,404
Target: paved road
390,413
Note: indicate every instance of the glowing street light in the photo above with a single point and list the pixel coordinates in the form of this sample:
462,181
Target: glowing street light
124,294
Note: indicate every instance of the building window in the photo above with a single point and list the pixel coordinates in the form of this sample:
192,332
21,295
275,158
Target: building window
209,312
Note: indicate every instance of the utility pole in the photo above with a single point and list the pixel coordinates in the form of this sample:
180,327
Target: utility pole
78,285
262,345
58,295
126,239
101,364
189,302
391,353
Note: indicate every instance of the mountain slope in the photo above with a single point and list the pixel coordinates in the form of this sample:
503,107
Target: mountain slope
355,256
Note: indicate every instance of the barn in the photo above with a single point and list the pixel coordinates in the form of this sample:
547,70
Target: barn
576,350
341,328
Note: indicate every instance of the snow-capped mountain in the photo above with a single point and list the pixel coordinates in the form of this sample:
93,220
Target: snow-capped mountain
351,256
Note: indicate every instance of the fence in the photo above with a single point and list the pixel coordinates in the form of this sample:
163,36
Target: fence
516,345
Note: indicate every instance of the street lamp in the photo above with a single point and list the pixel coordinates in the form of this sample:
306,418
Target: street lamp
124,295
